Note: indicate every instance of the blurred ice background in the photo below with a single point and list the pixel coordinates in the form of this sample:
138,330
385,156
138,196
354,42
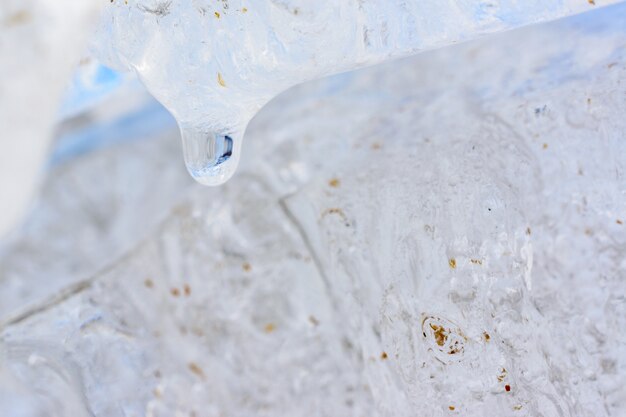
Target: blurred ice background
442,235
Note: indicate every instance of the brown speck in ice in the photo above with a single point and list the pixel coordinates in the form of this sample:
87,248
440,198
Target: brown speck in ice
517,407
336,210
545,146
148,283
314,321
157,374
507,388
486,336
588,231
157,392
440,334
376,145
187,290
244,10
618,221
175,292
611,65
246,267
455,348
383,356
592,2
452,263
502,375
220,80
451,408
588,101
193,367
217,15
269,328
528,231
476,261
18,18
334,183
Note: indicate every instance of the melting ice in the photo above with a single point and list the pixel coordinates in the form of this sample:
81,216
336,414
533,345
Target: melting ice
214,64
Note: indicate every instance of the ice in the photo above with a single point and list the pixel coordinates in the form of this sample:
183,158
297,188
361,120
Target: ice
40,44
214,64
485,208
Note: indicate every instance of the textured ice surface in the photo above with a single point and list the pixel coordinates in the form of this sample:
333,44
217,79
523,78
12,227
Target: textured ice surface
372,208
213,64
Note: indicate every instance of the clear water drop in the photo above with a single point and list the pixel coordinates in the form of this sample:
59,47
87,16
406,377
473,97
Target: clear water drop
211,157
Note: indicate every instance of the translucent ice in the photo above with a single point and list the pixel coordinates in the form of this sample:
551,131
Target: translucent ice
40,43
465,233
214,64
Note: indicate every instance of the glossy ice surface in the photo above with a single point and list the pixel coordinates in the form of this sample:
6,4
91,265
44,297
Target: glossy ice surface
409,239
215,63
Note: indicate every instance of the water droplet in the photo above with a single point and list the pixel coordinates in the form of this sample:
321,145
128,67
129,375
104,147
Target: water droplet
211,157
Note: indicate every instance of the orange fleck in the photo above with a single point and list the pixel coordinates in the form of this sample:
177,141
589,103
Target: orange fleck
175,292
486,335
507,388
334,183
220,80
376,145
451,408
452,263
217,15
269,327
592,2
187,290
193,367
440,334
383,356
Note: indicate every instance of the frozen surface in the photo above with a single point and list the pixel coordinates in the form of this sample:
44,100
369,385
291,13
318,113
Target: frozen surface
409,239
41,42
213,64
